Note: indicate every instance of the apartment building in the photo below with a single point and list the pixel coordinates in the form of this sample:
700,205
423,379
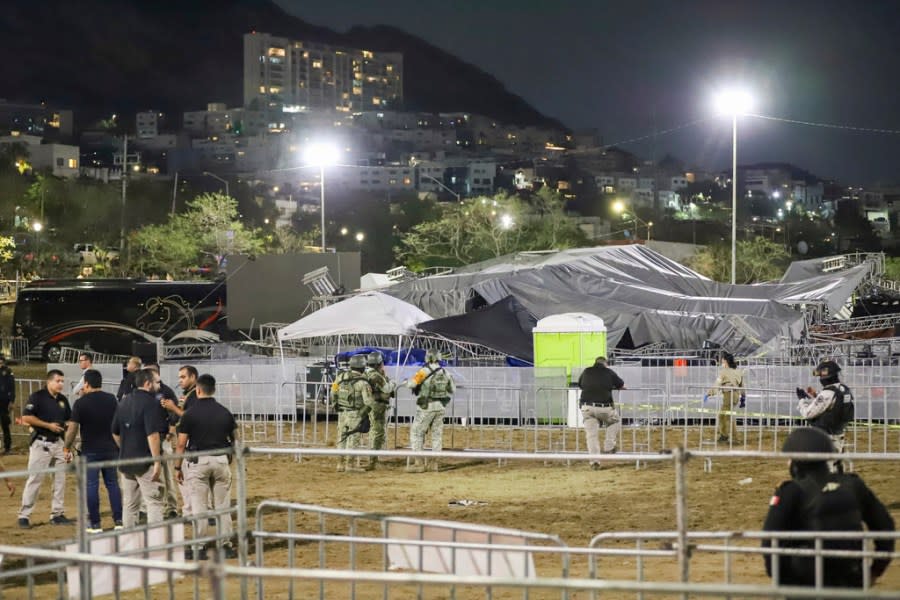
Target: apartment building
302,75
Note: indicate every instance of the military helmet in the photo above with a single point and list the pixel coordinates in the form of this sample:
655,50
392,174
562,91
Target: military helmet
373,359
808,439
826,369
432,356
358,362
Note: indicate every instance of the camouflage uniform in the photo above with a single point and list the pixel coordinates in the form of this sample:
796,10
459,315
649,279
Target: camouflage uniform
354,399
434,395
382,389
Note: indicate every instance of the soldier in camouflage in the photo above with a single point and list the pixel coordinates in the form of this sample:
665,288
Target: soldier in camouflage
382,390
435,389
353,397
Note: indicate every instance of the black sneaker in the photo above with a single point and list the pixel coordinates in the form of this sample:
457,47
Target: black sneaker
172,514
142,518
211,521
202,554
61,520
188,553
24,524
230,551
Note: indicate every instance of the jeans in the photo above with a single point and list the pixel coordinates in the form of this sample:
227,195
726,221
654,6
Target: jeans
110,480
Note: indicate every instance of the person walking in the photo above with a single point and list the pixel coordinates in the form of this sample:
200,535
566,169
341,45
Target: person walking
598,409
93,415
382,391
136,428
434,389
7,400
126,386
47,412
729,384
353,398
206,426
814,499
831,409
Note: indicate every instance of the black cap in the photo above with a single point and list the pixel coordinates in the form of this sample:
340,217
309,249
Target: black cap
827,368
808,439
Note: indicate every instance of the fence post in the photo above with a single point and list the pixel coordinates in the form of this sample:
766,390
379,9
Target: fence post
81,524
240,458
681,514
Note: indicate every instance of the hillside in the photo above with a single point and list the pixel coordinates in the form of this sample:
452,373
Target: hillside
99,57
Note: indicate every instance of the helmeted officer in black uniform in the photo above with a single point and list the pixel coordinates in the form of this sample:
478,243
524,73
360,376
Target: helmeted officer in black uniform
830,409
815,499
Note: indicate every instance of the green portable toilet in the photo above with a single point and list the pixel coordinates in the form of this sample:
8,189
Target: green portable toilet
569,340
563,342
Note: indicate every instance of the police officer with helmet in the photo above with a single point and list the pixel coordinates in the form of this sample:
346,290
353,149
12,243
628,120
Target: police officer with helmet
352,395
382,391
830,409
815,499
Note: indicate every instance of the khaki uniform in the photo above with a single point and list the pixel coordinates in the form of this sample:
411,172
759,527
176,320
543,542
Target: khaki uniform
358,402
382,388
210,473
44,455
729,384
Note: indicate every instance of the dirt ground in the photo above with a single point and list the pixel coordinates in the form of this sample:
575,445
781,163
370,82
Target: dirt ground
570,501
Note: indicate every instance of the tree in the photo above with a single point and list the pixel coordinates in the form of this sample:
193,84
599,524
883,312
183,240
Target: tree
487,227
209,228
756,260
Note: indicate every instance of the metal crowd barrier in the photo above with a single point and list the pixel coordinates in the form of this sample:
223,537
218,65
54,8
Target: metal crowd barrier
684,544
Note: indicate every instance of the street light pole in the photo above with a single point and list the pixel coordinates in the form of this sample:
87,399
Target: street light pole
224,181
440,183
734,186
322,201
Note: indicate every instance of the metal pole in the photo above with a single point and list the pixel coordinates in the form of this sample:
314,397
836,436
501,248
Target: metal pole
734,186
124,185
681,514
174,192
241,472
322,201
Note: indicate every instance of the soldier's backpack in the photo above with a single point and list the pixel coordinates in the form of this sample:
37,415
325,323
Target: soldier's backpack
346,396
438,384
831,506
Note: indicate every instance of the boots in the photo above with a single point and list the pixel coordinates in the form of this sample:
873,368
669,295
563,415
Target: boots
417,466
341,465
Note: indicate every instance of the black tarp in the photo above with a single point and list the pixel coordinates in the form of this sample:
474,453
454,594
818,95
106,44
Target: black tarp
504,326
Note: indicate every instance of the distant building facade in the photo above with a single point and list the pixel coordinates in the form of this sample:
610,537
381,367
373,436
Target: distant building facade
300,75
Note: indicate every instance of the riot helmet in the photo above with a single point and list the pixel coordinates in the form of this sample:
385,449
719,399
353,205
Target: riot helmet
827,372
374,359
358,362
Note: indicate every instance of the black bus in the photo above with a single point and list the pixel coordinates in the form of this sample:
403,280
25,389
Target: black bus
108,315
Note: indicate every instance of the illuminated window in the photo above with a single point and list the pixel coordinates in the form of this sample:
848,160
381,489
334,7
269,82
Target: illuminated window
262,89
407,181
317,64
276,51
376,101
274,90
389,68
367,54
73,163
393,181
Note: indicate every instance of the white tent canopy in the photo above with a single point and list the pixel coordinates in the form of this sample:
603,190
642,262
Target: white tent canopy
370,313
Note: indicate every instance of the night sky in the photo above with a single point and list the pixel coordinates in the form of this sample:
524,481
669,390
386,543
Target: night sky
632,68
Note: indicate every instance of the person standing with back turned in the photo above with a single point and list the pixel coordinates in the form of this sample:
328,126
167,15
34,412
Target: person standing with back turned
730,384
597,408
434,388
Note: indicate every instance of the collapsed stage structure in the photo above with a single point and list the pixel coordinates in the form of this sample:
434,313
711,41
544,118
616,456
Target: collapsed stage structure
644,299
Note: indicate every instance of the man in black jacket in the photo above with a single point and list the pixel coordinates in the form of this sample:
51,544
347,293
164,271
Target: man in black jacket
597,407
814,499
7,399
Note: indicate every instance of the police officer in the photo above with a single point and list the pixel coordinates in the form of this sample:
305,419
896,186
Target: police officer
382,390
597,407
831,409
207,425
7,400
434,389
354,400
815,499
47,412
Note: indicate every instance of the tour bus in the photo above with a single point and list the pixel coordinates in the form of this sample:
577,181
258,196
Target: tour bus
108,315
